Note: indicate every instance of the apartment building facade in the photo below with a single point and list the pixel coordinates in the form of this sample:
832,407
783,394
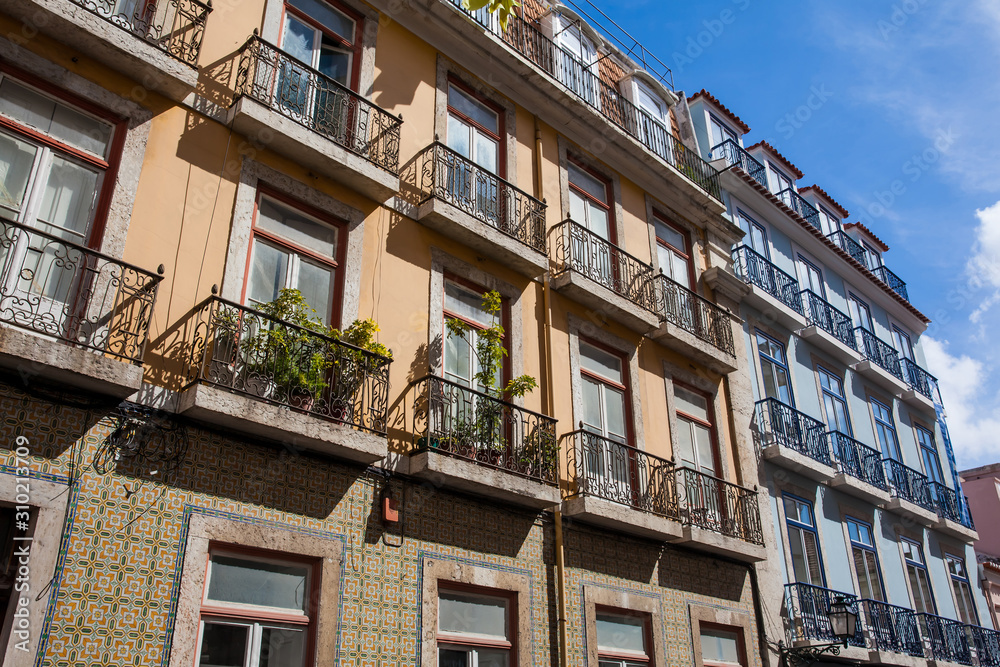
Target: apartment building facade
865,500
211,469
982,487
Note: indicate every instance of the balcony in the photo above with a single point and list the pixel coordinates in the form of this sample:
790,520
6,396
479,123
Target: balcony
475,442
481,210
255,374
772,291
70,315
891,629
155,43
792,439
861,473
604,277
807,609
829,329
986,642
850,246
912,496
954,517
582,82
797,203
694,326
923,385
719,517
944,639
316,121
735,156
892,280
881,362
621,487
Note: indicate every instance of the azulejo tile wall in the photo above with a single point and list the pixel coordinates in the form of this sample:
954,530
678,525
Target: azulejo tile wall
114,597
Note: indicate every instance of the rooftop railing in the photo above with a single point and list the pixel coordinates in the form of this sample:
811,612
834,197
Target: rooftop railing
909,484
920,380
894,282
623,474
783,425
794,201
944,639
243,350
64,290
452,178
879,352
582,251
312,99
713,504
850,246
858,460
583,82
754,269
176,27
822,314
808,609
695,314
891,628
736,156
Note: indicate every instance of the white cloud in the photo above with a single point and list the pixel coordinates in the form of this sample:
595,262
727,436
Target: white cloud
973,414
983,267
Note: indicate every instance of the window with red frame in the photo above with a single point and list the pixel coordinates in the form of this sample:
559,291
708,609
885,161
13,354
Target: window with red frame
258,609
296,247
475,128
464,301
590,201
722,646
325,36
673,251
476,628
695,431
624,638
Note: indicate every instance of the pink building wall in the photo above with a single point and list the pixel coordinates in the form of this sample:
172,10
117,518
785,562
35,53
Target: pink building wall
982,486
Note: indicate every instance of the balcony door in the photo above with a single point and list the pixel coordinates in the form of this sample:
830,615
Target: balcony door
720,134
811,278
606,414
653,126
885,431
590,207
861,315
474,132
703,496
929,455
576,65
903,344
778,179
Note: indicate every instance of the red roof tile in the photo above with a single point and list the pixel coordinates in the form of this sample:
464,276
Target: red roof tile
830,200
869,233
774,151
743,127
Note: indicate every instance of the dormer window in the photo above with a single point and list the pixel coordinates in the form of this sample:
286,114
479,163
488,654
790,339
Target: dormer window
872,255
721,132
656,111
777,179
577,67
829,223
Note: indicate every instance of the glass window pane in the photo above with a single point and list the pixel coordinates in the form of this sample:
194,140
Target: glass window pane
480,615
330,17
616,413
619,632
598,221
299,39
680,271
268,273
70,194
297,228
691,403
315,281
50,117
589,184
16,160
451,658
670,235
282,647
720,646
335,63
459,137
578,208
465,303
241,581
223,645
486,152
458,360
592,414
492,658
601,363
473,109
706,454
685,453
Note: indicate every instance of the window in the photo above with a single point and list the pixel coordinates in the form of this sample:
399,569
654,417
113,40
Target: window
695,432
578,70
721,132
903,344
803,541
756,235
623,639
811,278
916,574
861,315
654,128
590,202
885,429
865,560
873,257
829,223
475,128
465,302
929,455
963,592
475,628
834,403
256,611
673,252
778,179
324,37
774,370
294,247
605,390
721,646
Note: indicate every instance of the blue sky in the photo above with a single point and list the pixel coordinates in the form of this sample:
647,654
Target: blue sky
866,98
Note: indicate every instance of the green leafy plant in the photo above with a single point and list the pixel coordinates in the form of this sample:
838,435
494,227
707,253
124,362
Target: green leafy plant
504,9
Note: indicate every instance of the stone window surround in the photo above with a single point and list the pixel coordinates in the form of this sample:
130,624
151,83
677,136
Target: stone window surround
579,327
566,150
205,531
684,376
470,574
445,69
728,618
137,121
648,605
241,232
48,500
694,235
271,32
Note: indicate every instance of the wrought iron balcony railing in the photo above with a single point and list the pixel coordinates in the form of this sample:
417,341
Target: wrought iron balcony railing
783,425
477,426
176,27
879,352
582,251
944,639
245,351
794,201
736,156
623,474
308,97
858,460
808,609
850,246
821,313
754,269
694,313
583,82
446,175
719,506
894,282
948,506
891,628
920,380
69,292
910,485
986,641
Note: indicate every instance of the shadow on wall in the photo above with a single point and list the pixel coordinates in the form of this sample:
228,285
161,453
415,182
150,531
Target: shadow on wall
609,553
699,574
